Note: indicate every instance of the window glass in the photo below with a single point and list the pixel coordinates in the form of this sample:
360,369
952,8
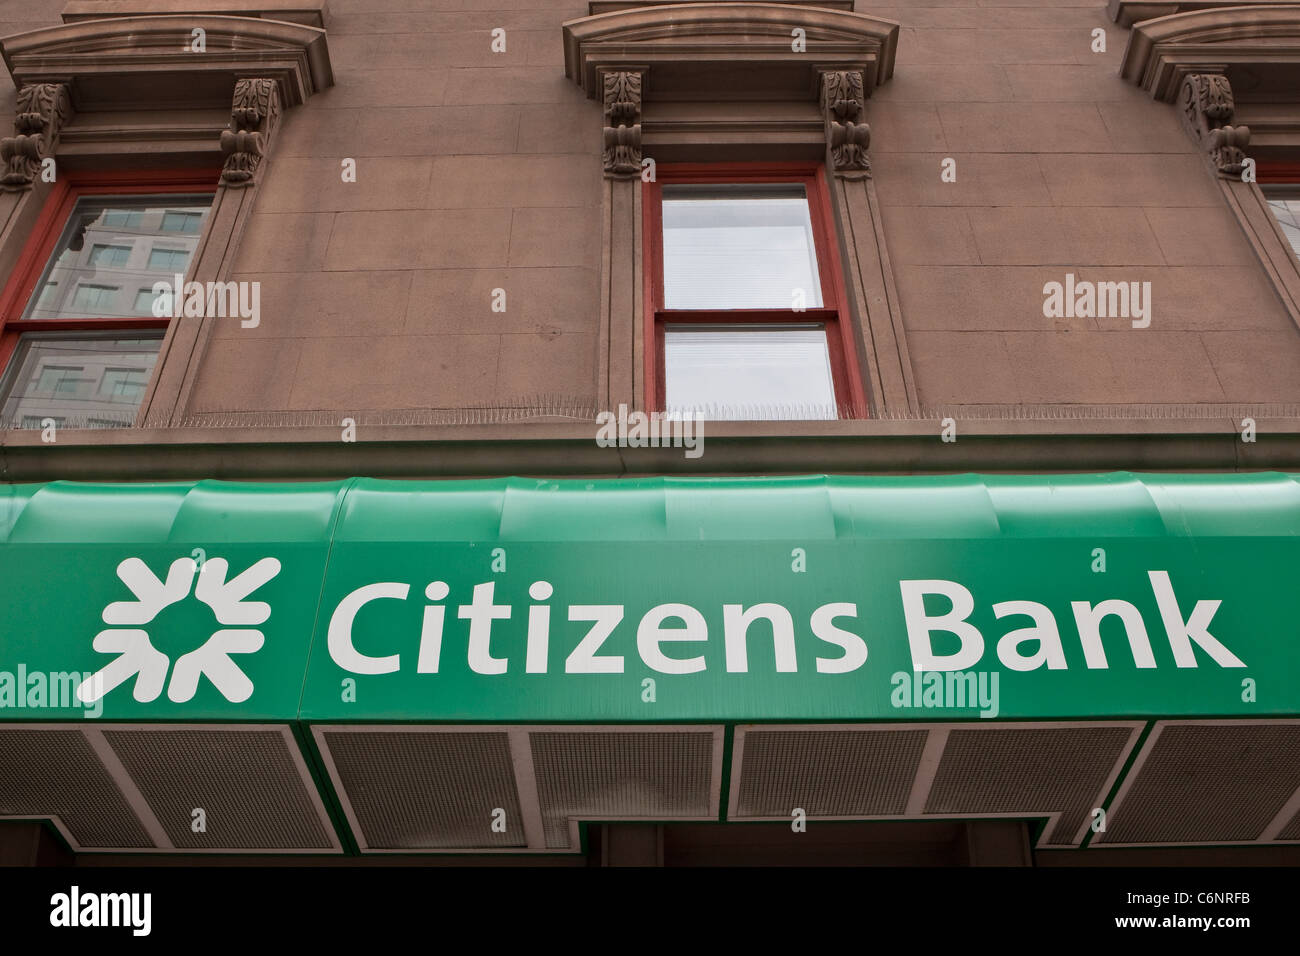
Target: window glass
749,372
84,379
1284,201
98,245
738,247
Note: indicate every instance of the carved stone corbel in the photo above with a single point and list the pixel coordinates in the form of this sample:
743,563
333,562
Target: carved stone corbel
43,110
254,115
622,98
1205,109
847,133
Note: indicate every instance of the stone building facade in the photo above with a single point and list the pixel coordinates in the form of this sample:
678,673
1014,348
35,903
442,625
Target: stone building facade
906,238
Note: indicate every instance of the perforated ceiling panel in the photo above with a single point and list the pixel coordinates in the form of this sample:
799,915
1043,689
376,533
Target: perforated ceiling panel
830,773
420,788
55,772
1209,782
646,774
1043,770
251,793
1291,830
425,788
1057,772
193,788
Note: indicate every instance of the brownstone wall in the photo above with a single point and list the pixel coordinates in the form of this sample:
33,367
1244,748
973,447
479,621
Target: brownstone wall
479,170
1062,167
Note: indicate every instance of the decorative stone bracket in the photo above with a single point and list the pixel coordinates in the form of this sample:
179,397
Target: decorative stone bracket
622,98
848,136
43,110
254,116
1205,109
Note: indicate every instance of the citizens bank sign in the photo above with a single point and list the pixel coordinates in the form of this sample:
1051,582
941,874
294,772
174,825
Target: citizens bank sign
674,638
410,606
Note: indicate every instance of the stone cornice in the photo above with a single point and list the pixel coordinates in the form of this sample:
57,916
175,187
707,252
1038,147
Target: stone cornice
730,448
120,58
1161,52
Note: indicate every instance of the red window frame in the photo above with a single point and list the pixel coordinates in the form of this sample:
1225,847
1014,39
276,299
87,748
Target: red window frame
1277,174
849,394
45,236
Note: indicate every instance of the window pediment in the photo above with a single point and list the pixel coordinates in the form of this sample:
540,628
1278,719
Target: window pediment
1128,12
145,61
310,12
729,50
1257,46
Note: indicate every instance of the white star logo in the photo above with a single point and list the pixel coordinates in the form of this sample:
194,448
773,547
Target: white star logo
138,658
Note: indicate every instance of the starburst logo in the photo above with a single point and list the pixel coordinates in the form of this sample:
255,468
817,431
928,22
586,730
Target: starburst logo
138,658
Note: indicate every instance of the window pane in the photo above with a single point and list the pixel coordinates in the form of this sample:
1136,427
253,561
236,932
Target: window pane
748,372
738,247
1285,203
104,236
79,378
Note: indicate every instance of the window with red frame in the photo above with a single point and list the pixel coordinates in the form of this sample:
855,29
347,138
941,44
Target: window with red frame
80,325
744,298
1281,185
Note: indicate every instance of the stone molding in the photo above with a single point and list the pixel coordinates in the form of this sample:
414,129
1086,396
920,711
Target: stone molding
43,109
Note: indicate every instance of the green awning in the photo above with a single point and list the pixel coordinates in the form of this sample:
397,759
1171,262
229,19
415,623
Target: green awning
666,599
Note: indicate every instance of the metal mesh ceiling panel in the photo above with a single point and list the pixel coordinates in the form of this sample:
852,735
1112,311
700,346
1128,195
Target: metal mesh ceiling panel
1292,829
1035,771
424,789
827,773
1208,783
252,793
45,772
662,775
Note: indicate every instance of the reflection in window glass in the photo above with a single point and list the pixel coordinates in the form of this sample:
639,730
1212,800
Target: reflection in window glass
144,302
112,256
738,247
124,384
122,218
173,260
103,236
749,372
1284,202
76,377
174,221
97,299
